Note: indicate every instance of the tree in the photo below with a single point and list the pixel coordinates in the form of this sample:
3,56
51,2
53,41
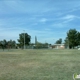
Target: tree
23,36
72,38
59,41
3,44
40,45
11,44
78,38
66,42
7,44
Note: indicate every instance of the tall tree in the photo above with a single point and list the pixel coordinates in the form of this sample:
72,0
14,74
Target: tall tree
78,38
59,41
24,37
72,38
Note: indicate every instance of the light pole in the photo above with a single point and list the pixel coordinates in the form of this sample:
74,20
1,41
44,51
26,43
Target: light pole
24,39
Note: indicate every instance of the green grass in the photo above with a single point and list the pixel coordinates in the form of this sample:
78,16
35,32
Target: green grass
39,64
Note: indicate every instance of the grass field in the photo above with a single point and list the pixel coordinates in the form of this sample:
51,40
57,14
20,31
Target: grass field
39,64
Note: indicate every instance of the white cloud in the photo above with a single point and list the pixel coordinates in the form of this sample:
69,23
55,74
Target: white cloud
67,21
43,20
59,25
28,6
64,21
69,17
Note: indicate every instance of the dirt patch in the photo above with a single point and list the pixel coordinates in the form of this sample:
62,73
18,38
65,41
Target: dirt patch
29,64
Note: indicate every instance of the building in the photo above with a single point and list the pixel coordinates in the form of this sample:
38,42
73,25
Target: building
58,46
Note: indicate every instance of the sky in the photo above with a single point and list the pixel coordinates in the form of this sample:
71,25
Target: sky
48,20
